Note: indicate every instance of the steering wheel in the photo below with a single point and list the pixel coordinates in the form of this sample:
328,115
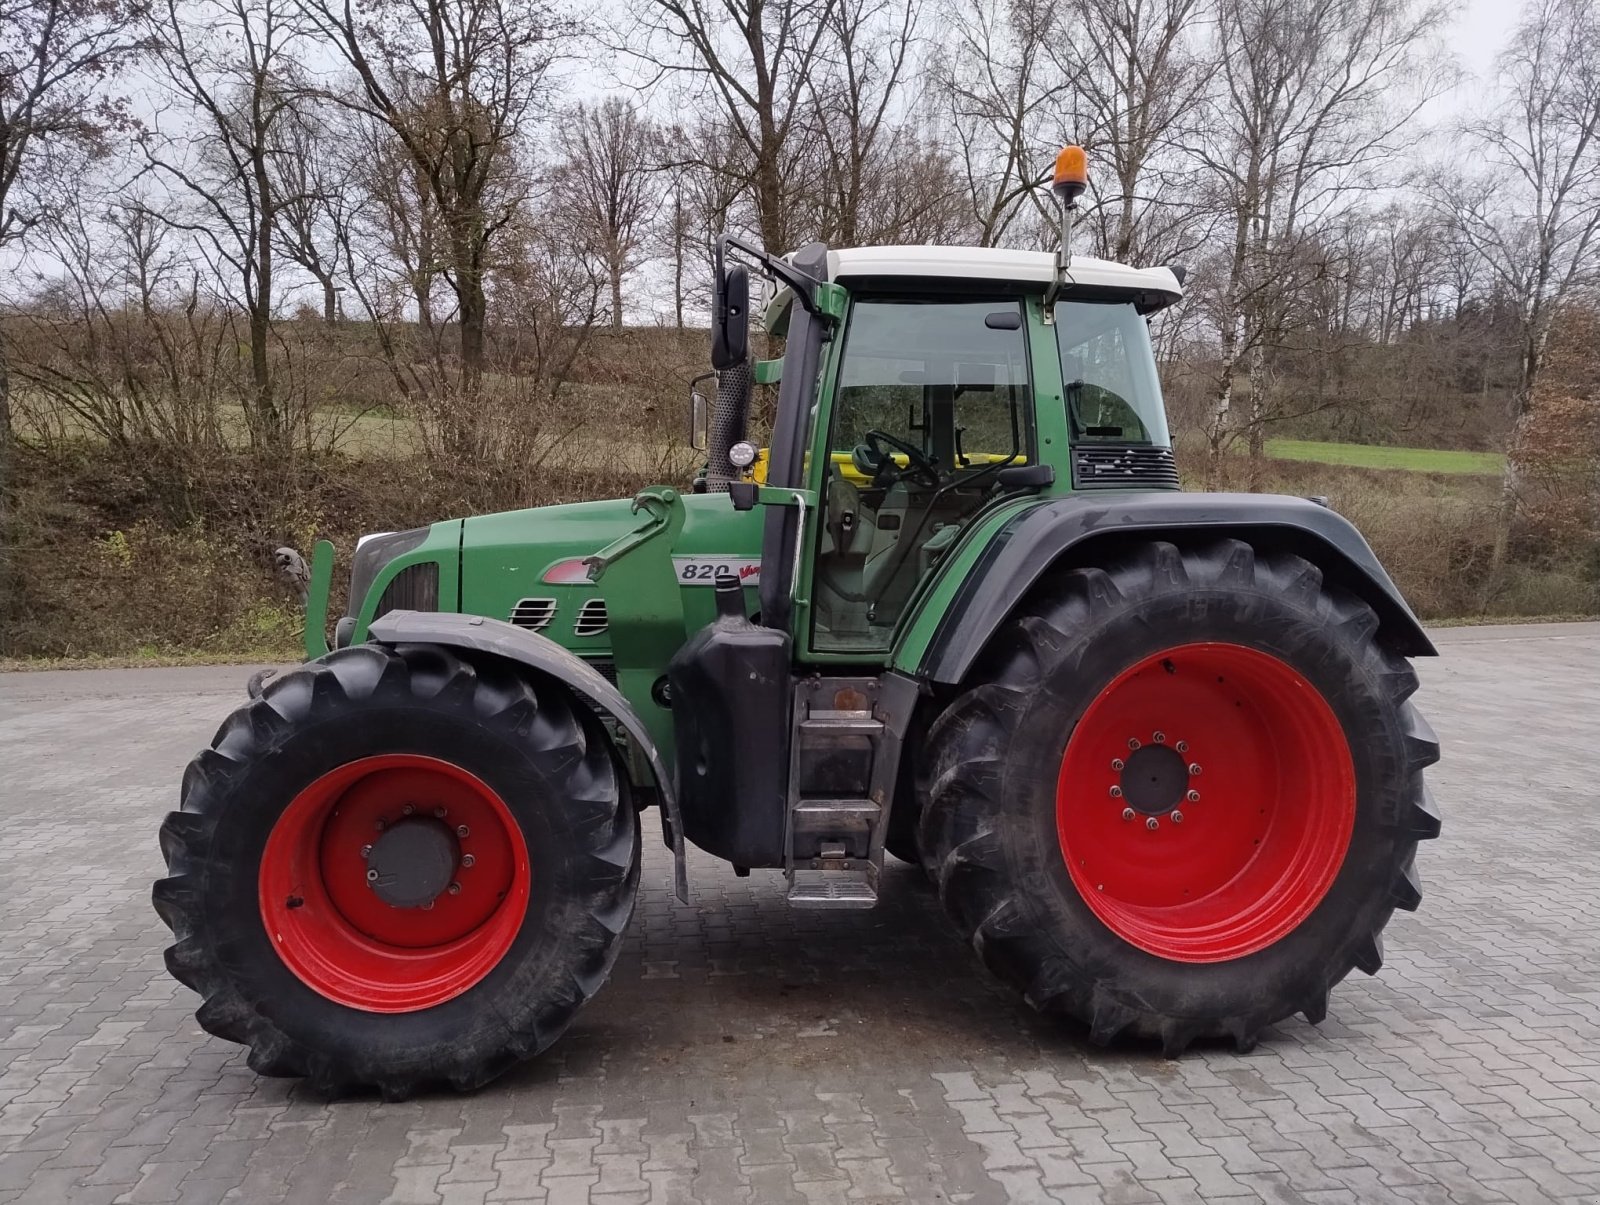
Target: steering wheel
871,458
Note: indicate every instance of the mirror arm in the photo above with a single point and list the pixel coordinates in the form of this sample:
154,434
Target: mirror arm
803,285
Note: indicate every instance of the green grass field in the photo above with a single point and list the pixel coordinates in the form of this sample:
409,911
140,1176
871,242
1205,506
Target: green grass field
1367,456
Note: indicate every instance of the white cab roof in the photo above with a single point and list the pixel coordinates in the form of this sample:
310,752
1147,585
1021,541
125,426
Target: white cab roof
996,263
987,263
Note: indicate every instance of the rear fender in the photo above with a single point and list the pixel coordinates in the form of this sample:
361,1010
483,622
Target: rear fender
546,657
1078,528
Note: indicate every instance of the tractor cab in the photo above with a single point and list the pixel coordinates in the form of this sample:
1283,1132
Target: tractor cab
948,380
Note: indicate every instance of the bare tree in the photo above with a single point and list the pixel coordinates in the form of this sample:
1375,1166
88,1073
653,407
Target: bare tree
1000,86
1313,97
55,56
1136,73
228,62
316,196
857,105
754,60
457,83
709,169
605,181
1531,215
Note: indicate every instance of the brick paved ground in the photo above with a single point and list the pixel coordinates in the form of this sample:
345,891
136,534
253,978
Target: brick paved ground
744,1052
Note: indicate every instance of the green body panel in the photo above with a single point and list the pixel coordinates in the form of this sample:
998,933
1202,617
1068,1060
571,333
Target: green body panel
504,558
929,605
652,559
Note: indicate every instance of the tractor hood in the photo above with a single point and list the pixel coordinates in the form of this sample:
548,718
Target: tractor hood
526,566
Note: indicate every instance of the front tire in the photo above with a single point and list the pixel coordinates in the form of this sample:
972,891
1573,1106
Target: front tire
399,868
1181,895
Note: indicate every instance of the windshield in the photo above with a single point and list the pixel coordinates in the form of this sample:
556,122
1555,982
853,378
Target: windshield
1109,374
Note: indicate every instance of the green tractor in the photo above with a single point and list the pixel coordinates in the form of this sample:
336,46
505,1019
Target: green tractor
1153,748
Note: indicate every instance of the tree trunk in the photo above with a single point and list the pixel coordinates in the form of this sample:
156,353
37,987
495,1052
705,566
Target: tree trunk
330,302
1522,410
677,258
616,296
1258,420
7,604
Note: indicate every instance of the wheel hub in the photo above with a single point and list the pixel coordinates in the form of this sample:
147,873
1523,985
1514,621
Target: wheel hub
394,882
413,862
1154,779
1205,871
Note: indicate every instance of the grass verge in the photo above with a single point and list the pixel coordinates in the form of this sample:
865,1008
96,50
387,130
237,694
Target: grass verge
1368,456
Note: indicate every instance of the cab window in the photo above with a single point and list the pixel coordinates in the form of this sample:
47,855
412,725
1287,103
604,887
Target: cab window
1108,373
933,399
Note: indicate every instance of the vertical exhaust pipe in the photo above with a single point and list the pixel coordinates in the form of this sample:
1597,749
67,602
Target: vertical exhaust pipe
730,419
730,356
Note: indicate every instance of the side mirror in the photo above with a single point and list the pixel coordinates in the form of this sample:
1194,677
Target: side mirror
730,317
699,413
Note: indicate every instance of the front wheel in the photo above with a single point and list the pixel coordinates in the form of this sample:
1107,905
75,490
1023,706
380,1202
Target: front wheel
1183,795
399,868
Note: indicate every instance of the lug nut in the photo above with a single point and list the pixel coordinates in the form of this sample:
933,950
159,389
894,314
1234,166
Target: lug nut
1127,813
1194,768
467,860
454,889
381,825
1116,792
1133,742
1159,738
1177,817
366,851
438,813
1193,796
1117,763
1182,746
372,876
1152,824
428,907
463,831
407,810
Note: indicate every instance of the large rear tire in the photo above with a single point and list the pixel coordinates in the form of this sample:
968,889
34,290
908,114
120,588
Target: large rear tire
1182,795
399,868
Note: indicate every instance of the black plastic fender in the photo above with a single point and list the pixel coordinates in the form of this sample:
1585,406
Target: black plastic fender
476,632
1070,527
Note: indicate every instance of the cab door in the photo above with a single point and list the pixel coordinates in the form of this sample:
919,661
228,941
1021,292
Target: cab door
932,396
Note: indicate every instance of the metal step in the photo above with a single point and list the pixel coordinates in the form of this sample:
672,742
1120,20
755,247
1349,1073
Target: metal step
843,888
840,723
840,816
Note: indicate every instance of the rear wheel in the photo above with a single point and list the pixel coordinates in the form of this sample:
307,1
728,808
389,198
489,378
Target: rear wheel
1183,796
399,868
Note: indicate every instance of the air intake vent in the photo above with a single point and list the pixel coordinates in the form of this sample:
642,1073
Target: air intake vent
414,588
591,618
534,613
1122,467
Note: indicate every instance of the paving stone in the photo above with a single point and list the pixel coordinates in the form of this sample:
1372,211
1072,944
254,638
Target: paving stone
746,1052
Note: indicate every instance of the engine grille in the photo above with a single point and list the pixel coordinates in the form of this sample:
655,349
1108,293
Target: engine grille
1121,467
533,613
591,618
414,588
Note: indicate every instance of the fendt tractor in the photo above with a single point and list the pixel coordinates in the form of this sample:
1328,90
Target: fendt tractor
1153,748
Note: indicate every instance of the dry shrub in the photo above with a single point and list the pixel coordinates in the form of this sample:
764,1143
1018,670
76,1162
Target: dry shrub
1434,533
1558,452
102,568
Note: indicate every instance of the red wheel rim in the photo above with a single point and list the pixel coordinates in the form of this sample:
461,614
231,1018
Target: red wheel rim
1205,802
340,937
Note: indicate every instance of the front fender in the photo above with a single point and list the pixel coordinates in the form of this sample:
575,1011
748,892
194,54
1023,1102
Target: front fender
539,653
1080,525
